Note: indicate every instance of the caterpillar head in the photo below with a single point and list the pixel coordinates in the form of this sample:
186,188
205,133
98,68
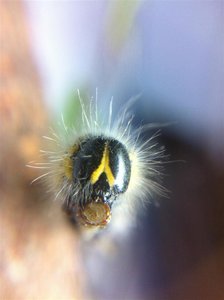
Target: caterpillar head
101,170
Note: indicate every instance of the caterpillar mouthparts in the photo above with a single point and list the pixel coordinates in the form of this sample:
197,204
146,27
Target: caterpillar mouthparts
94,214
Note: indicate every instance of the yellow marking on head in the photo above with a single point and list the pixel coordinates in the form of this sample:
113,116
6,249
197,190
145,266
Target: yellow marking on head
104,167
67,163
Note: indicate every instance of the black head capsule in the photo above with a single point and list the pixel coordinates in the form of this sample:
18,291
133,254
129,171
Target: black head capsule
102,169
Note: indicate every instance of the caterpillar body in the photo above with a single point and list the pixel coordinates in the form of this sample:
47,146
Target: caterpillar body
101,170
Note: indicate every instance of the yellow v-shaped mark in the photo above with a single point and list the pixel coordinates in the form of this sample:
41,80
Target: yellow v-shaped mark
104,167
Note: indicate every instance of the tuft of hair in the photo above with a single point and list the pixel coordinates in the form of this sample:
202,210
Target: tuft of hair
146,158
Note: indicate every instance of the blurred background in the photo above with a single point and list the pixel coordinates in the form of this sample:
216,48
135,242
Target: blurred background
172,52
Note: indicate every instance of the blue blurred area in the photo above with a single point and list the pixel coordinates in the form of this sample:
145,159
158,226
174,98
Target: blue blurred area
172,53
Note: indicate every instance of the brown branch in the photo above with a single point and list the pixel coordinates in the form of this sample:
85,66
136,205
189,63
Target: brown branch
38,249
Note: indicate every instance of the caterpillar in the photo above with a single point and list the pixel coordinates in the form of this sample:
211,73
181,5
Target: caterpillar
102,170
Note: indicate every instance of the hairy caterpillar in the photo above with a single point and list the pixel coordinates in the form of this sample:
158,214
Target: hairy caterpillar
101,170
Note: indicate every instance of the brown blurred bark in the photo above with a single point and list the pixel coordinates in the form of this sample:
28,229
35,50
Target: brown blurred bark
39,256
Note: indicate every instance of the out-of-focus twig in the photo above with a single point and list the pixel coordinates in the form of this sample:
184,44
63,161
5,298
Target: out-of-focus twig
38,250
